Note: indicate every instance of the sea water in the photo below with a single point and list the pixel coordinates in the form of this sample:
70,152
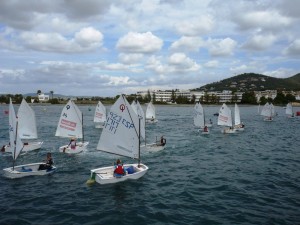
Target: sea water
251,177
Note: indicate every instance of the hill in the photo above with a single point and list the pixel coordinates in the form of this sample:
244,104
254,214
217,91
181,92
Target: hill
254,82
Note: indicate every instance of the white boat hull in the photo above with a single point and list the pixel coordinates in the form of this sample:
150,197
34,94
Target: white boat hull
27,170
30,146
80,147
151,121
228,131
105,175
153,147
239,128
99,125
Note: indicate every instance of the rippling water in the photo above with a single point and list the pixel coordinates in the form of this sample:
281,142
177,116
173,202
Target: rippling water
252,177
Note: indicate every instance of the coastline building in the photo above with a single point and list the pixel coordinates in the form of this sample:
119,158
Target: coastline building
43,98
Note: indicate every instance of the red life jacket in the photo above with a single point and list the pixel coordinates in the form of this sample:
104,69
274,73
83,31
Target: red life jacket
119,169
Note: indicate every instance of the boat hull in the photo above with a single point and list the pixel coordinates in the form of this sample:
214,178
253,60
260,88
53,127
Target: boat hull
27,170
99,125
151,121
153,147
30,146
228,131
105,175
80,147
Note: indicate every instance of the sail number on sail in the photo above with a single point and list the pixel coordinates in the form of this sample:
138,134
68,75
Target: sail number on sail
114,120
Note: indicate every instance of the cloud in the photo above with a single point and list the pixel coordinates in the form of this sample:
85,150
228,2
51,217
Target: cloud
188,44
195,27
262,19
130,58
221,47
211,64
293,49
139,43
87,39
260,42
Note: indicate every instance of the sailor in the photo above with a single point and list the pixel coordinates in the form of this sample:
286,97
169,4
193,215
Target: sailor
119,169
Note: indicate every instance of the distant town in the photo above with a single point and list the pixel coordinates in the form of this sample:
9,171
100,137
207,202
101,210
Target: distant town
170,97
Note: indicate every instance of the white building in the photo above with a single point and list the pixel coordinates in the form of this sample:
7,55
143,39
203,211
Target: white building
43,97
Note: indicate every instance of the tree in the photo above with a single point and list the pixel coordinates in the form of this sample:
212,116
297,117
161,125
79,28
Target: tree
193,100
249,98
51,92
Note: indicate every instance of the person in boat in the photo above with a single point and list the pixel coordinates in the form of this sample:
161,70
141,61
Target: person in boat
152,119
163,141
205,129
72,143
119,169
48,163
3,148
242,126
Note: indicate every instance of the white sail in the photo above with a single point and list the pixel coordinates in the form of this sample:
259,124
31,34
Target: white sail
198,115
266,110
150,111
14,138
237,117
137,108
273,113
100,113
70,122
120,133
224,118
289,109
27,128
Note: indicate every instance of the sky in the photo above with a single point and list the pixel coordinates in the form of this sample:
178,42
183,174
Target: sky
105,48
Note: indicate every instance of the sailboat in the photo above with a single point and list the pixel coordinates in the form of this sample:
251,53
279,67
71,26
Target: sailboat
151,114
100,115
225,119
199,118
156,146
27,128
268,112
289,111
120,136
18,146
70,125
238,125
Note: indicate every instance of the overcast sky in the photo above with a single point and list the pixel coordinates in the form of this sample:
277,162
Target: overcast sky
108,47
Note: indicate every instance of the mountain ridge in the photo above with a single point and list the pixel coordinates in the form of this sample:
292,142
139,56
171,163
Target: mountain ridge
253,82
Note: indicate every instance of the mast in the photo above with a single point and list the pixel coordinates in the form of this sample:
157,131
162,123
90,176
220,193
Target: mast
139,135
15,145
82,128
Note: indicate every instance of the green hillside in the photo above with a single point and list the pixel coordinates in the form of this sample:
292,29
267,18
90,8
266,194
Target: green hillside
254,82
